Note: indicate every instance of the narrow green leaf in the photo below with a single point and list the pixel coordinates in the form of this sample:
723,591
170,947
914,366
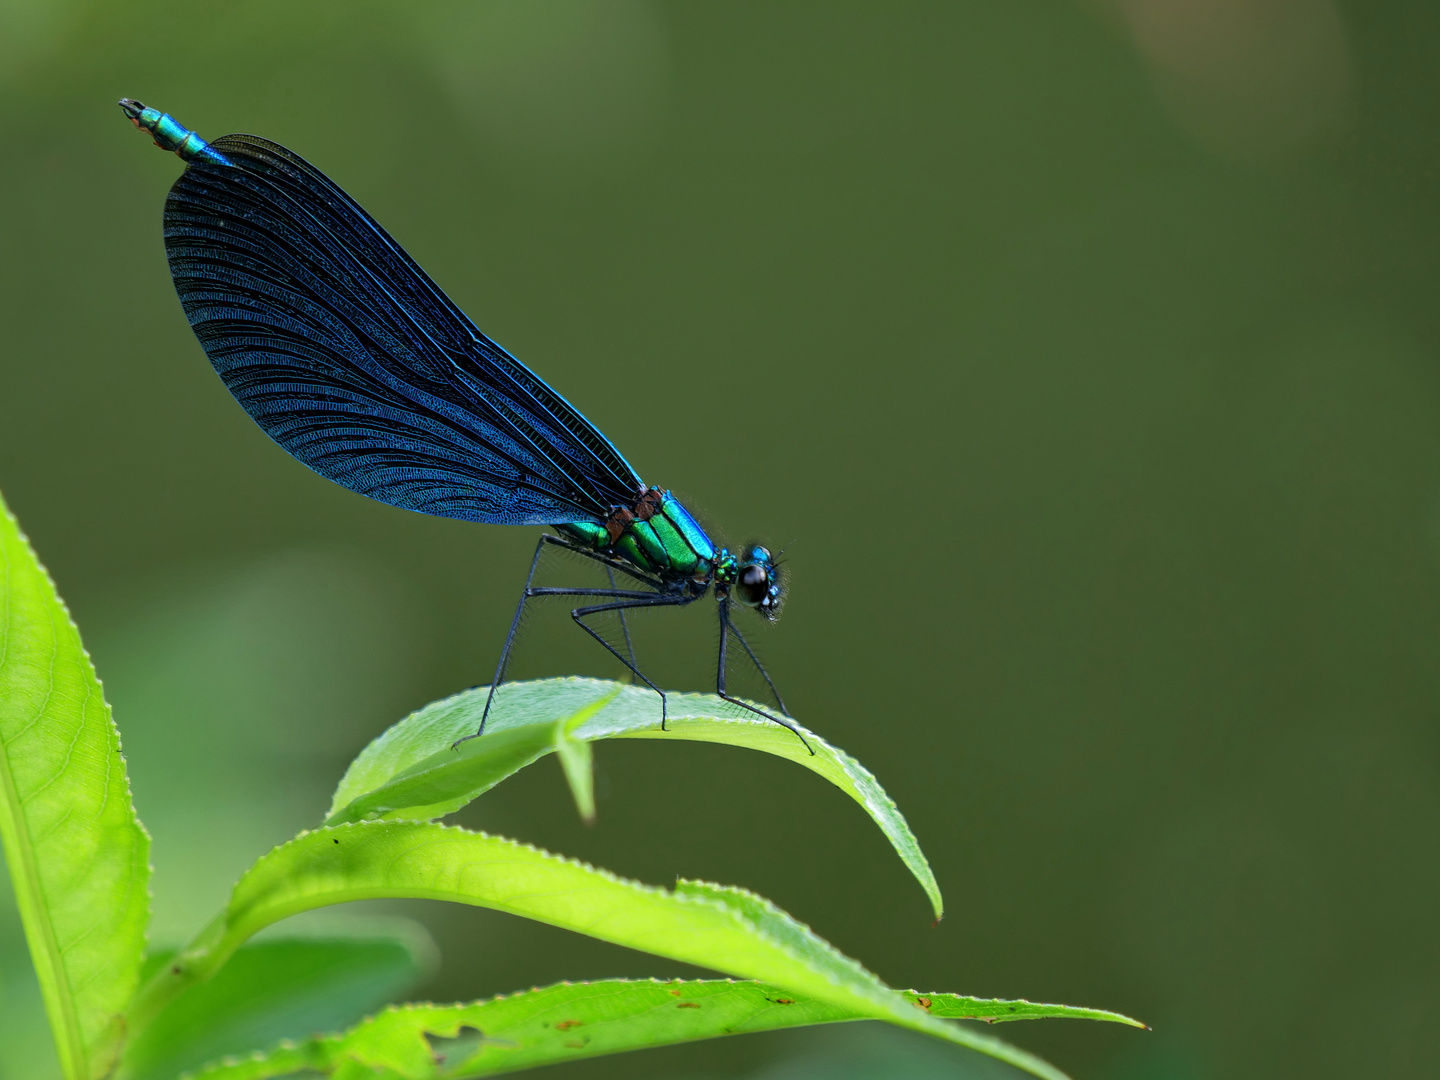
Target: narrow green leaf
999,1010
77,854
282,988
565,1022
725,929
577,759
412,773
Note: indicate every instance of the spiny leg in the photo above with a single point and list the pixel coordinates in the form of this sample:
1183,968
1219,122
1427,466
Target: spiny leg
610,562
726,629
758,665
728,624
624,626
545,538
581,614
509,643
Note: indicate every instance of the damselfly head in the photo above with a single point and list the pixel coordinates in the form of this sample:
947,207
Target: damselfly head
758,583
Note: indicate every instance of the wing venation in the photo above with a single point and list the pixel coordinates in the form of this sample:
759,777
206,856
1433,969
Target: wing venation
346,354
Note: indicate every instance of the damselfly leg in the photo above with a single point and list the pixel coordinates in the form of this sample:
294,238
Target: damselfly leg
624,626
625,599
580,614
726,629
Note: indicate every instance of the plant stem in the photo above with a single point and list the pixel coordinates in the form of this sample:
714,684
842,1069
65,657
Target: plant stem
194,964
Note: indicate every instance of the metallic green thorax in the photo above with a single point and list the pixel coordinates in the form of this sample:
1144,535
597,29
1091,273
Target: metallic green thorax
671,544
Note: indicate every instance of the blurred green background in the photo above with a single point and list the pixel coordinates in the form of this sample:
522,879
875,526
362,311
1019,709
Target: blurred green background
1087,353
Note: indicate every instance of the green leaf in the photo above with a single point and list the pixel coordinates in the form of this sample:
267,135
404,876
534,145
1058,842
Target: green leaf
577,759
998,1010
77,854
412,773
725,929
565,1022
282,988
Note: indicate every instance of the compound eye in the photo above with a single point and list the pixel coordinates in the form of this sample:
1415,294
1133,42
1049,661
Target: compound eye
752,587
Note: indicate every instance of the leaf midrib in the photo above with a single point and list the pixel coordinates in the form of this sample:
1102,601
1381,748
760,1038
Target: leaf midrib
29,895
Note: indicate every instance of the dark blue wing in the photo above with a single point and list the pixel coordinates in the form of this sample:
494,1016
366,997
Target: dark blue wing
355,362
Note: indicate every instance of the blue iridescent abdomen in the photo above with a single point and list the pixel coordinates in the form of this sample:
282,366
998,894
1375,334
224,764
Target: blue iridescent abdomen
169,134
